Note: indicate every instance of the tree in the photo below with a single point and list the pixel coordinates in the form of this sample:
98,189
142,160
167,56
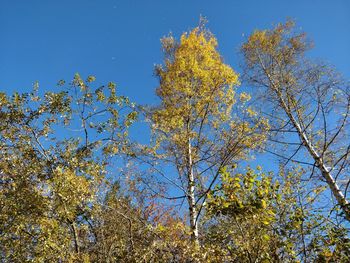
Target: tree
54,153
309,100
194,128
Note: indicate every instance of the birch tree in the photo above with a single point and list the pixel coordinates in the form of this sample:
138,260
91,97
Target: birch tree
310,103
195,130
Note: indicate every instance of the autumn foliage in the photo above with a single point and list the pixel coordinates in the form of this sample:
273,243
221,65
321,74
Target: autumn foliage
74,186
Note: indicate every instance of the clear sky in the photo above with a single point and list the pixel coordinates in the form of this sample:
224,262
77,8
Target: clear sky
116,40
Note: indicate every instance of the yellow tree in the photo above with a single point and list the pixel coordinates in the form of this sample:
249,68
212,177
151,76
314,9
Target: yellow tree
194,127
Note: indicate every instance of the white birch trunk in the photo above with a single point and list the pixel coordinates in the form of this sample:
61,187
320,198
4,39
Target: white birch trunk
191,196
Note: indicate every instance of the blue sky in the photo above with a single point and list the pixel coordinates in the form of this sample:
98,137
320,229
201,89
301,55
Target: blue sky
118,40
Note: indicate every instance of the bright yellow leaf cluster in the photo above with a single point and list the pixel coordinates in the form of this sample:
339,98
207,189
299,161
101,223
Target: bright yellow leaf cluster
194,82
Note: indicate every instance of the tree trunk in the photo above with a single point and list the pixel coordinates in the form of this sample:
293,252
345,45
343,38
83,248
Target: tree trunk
75,237
337,193
191,196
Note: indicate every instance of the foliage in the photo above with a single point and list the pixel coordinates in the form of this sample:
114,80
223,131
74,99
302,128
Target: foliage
51,170
252,217
75,188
